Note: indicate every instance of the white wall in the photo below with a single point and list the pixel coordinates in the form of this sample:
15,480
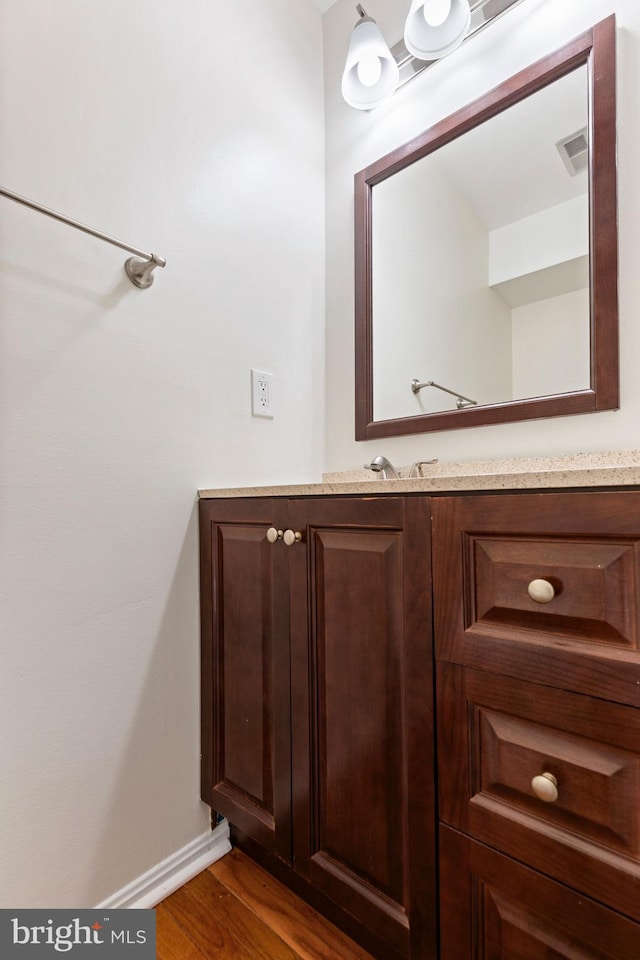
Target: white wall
424,303
150,122
545,239
551,345
357,138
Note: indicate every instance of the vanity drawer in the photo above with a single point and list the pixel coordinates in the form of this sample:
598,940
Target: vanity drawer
498,736
542,587
495,908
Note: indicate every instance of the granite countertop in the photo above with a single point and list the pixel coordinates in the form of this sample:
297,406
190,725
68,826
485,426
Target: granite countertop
613,468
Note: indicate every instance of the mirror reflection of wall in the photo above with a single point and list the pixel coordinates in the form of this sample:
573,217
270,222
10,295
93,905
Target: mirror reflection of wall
480,261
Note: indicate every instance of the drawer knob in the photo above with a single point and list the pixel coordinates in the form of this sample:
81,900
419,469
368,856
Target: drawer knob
545,787
273,535
290,537
541,591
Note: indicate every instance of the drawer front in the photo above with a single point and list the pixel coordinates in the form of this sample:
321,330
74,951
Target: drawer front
493,907
553,779
542,587
577,589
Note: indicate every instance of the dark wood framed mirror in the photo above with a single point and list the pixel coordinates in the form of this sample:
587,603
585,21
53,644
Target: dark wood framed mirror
486,258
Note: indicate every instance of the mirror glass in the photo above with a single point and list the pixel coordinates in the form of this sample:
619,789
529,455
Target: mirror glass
486,261
480,262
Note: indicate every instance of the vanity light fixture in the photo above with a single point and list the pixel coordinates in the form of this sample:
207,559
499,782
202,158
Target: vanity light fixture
433,29
371,73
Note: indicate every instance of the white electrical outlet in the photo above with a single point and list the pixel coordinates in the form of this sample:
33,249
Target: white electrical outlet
261,394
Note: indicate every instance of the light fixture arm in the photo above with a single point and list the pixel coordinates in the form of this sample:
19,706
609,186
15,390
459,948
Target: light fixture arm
364,16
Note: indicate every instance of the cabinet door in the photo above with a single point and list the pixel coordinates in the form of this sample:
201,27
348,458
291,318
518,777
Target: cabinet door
495,908
246,753
362,712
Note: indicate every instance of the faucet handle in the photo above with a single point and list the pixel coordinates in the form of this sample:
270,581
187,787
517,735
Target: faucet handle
416,470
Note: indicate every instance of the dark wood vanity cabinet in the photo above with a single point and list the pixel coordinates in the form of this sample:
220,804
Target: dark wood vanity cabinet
318,697
245,701
538,687
496,908
318,738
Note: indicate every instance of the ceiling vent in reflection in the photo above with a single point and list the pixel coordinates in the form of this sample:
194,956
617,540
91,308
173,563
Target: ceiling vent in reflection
574,151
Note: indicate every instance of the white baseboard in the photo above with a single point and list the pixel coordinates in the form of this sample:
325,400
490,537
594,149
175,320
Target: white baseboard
172,873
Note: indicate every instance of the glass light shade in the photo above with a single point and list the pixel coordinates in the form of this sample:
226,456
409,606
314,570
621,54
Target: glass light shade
430,41
369,69
367,44
436,11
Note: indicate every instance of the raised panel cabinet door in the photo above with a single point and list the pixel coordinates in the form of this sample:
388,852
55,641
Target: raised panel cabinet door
495,908
362,712
246,752
543,587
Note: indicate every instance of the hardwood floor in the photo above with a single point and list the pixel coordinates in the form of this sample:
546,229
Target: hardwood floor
237,911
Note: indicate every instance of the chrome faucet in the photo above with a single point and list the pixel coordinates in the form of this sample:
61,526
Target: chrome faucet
382,466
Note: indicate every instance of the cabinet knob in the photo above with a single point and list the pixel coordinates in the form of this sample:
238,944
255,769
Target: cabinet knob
273,535
545,787
541,591
290,537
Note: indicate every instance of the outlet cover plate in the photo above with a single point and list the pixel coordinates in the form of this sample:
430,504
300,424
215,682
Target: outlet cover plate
262,394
